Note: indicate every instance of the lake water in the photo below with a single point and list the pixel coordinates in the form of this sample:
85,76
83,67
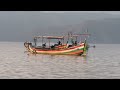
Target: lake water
102,62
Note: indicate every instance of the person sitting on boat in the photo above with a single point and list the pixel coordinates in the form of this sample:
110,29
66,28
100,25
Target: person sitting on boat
44,45
52,47
56,44
75,43
94,46
68,45
59,43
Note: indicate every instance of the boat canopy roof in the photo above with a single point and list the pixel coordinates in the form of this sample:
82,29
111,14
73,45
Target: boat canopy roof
50,37
59,37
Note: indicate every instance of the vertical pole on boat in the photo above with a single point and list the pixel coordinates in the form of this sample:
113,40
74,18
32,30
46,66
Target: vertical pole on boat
80,39
63,41
76,38
85,35
35,40
49,43
42,40
76,41
68,36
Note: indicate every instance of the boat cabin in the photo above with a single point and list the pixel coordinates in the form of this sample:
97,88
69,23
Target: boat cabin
62,41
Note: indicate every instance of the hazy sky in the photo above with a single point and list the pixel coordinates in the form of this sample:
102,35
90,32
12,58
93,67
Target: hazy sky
18,25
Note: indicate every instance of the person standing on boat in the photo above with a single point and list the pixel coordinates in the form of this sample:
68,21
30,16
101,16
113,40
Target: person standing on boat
67,44
59,43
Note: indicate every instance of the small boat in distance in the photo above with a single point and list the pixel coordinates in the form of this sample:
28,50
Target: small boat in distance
66,45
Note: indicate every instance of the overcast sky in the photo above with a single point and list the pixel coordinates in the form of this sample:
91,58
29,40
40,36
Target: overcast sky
108,12
15,25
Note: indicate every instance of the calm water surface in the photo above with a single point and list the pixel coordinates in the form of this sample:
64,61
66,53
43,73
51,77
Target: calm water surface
102,62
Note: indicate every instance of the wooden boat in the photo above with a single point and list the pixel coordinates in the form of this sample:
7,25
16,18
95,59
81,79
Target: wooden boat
80,48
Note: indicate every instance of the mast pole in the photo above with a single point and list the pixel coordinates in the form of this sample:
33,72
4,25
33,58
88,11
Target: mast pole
49,43
63,41
76,38
42,40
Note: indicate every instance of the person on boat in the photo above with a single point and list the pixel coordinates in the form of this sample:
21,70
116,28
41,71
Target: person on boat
44,45
75,43
59,43
52,47
94,46
68,44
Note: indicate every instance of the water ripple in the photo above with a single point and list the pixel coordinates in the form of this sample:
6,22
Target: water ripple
101,62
